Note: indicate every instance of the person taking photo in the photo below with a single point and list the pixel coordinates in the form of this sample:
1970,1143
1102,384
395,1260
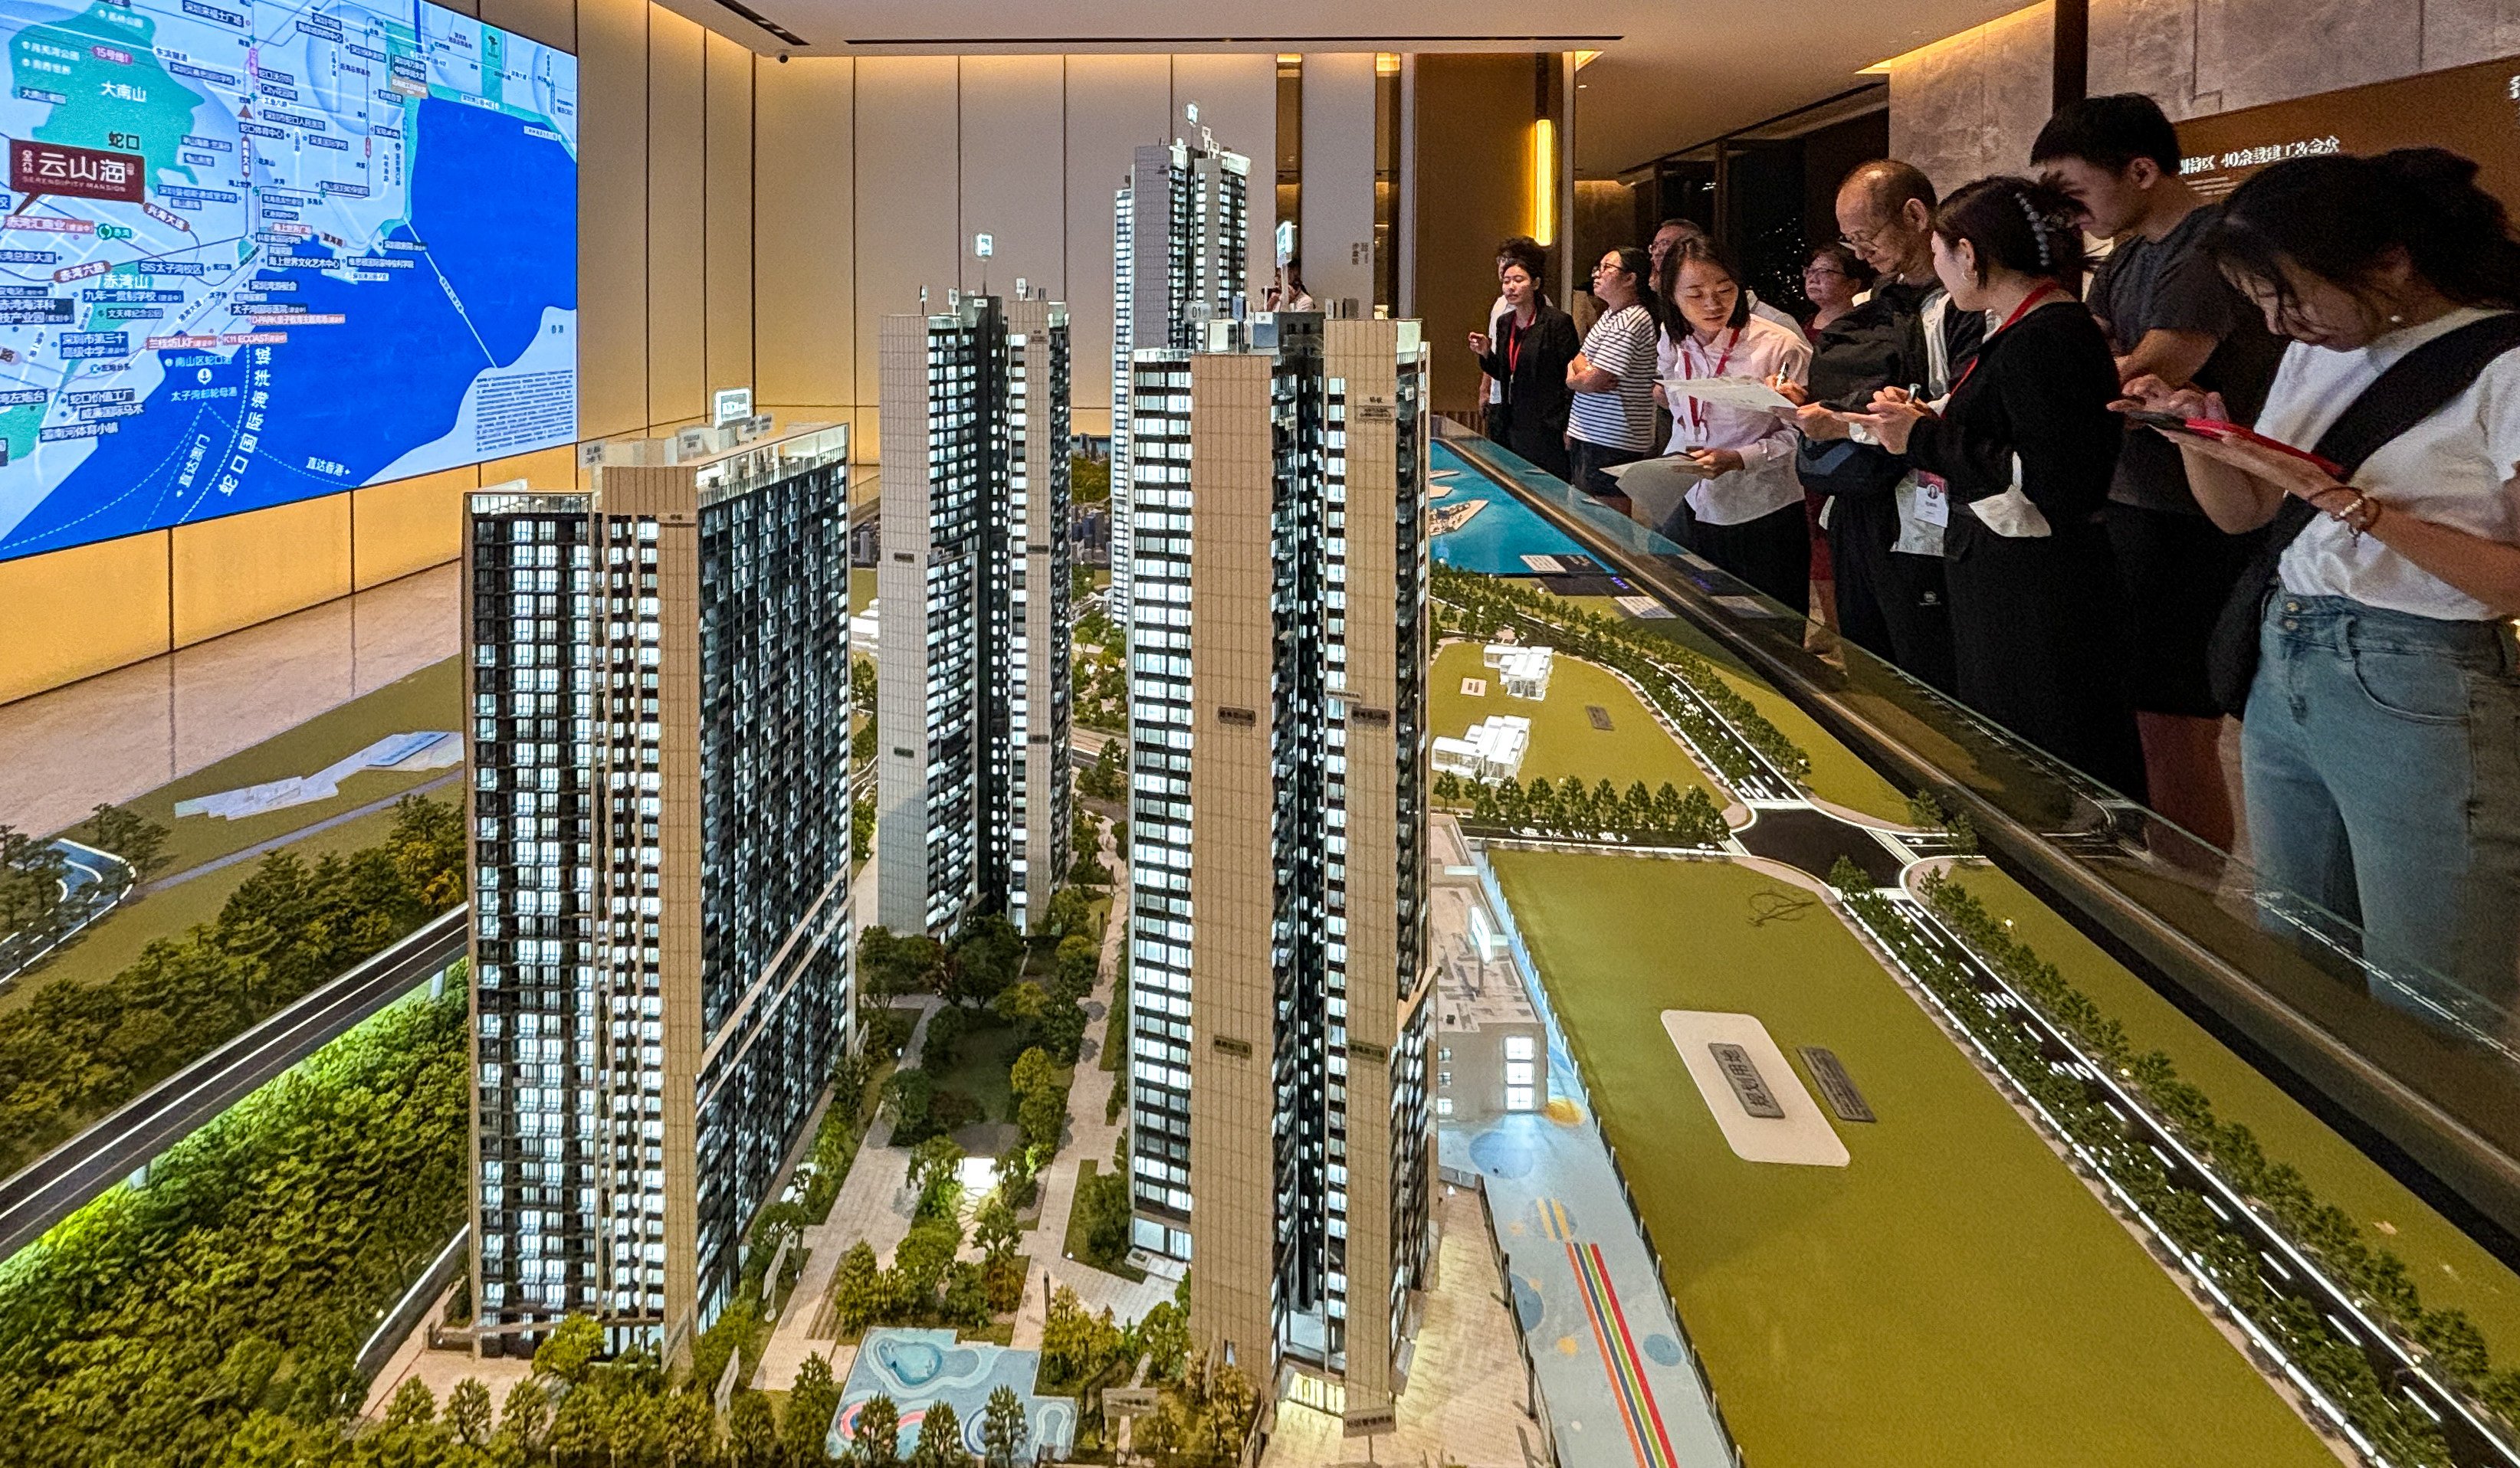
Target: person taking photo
2373,661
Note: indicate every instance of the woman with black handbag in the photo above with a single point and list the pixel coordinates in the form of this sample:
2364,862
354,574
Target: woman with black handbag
2381,745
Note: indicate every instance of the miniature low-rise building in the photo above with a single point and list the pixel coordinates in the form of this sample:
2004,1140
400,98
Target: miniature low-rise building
1524,671
1492,750
1491,1049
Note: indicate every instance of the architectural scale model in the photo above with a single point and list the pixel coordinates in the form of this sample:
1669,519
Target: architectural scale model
1278,876
658,677
973,666
1179,229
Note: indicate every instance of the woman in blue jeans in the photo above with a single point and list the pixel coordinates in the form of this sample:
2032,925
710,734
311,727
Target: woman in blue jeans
2380,749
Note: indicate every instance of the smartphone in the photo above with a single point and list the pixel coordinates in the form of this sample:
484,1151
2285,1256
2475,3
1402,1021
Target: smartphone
2167,422
2215,428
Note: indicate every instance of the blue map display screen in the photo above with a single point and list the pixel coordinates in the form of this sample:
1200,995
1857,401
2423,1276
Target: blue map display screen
253,253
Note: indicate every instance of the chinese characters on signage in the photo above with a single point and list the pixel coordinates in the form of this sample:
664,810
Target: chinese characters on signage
78,172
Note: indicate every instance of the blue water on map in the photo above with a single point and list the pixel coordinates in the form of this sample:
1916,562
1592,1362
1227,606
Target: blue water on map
1497,538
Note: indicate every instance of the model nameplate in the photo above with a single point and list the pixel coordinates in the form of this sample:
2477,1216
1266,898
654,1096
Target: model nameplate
1600,716
1235,718
1747,1083
1361,1050
1236,1047
1837,1086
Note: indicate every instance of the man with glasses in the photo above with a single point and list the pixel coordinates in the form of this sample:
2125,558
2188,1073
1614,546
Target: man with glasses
1885,522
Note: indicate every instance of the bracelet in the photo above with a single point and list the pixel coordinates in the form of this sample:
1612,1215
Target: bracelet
2360,515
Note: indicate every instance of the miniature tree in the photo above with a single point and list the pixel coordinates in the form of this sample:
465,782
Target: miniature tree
874,1439
1002,1430
940,1440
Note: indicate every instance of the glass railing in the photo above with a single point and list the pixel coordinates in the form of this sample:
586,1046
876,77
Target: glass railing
2318,1153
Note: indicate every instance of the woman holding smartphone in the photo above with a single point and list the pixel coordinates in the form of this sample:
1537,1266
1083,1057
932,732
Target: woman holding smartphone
2026,445
2380,747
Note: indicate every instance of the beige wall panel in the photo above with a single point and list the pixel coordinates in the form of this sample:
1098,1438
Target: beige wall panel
554,22
804,274
612,217
1115,104
408,525
1013,174
1475,121
83,610
1335,237
1237,101
677,234
247,569
730,214
546,469
908,236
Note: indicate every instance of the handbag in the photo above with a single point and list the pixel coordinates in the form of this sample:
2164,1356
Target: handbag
2413,388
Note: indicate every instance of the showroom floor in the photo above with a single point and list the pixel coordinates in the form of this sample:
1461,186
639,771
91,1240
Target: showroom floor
119,733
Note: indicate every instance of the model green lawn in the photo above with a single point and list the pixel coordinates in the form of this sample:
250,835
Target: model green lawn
2449,1268
1836,775
1563,738
1956,1295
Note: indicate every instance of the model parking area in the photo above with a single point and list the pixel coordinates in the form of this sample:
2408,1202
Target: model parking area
1954,1295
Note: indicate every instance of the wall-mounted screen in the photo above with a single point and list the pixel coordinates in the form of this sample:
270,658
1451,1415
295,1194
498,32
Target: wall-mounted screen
256,252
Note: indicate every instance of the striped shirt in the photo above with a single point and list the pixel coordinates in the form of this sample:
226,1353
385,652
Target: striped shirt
1621,344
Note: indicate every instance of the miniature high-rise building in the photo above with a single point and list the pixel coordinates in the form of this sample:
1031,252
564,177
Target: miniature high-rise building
1278,959
1180,226
657,679
971,672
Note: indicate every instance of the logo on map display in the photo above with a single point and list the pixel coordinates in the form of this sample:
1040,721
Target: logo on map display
78,172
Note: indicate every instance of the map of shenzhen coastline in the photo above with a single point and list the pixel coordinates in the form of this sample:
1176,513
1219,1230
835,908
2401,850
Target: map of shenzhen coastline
252,253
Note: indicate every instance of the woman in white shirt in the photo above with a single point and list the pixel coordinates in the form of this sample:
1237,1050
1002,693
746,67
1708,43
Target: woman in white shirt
1746,515
2380,750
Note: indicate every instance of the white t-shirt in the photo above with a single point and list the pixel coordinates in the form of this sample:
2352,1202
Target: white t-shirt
1621,344
1495,313
2460,468
1767,313
1765,481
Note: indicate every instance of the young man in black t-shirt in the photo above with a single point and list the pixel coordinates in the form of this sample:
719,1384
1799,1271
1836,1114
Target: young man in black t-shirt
2170,315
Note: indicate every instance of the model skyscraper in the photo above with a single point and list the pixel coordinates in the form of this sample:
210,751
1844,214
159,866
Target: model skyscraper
973,674
657,675
1179,227
1280,990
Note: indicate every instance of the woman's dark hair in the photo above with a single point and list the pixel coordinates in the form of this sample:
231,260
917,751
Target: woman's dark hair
2336,218
1667,279
1846,262
1526,252
2016,223
1640,265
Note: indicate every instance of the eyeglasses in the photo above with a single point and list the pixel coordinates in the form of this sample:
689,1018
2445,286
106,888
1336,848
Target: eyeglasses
1859,238
1812,270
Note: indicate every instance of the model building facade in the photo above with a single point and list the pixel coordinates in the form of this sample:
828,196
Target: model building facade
1179,227
656,673
1281,993
972,667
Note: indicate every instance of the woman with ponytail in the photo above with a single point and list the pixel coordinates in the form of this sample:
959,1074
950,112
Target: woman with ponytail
2380,742
2025,446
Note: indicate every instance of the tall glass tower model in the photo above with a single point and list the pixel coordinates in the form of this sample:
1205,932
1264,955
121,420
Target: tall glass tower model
973,666
1179,227
657,675
1280,985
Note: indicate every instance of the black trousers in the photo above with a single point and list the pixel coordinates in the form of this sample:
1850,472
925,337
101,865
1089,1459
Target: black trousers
2177,570
1772,552
2035,632
1893,605
1589,464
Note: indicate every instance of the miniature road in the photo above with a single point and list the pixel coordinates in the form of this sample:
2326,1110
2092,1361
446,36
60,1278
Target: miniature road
57,1185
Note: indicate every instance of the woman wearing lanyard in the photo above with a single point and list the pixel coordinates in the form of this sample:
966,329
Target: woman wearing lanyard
1528,359
2026,445
2380,751
1746,515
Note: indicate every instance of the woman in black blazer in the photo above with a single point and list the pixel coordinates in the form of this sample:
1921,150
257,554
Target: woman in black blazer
1529,355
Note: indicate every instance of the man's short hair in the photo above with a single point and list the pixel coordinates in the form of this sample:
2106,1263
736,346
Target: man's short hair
2109,133
1526,252
1690,229
1889,183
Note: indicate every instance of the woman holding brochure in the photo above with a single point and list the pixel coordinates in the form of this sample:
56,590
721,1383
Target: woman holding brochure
2026,446
1713,363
